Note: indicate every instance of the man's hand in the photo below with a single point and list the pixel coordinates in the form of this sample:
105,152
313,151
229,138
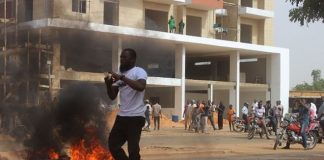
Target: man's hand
108,78
116,76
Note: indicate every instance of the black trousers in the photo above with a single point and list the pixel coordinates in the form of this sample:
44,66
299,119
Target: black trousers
126,129
245,118
220,121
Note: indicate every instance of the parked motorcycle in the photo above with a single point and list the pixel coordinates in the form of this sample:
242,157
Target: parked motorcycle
255,128
290,131
268,123
239,124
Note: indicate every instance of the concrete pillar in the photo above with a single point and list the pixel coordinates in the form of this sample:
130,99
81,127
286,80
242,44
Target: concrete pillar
268,78
56,81
180,72
279,82
210,92
234,94
115,57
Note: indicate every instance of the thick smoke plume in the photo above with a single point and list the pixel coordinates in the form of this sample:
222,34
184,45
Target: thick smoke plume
67,121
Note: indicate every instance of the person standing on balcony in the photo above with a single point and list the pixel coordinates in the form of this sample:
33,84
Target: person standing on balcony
172,24
181,26
131,82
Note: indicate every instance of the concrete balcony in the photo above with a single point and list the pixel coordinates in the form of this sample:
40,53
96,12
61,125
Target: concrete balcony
221,12
177,2
205,4
255,13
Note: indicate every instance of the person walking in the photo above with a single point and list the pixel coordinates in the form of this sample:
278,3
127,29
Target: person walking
245,112
230,114
278,113
204,116
211,110
157,114
147,115
220,111
130,83
187,114
196,115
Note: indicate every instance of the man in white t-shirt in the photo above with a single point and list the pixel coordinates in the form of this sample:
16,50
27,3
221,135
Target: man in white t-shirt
245,112
131,82
260,113
156,114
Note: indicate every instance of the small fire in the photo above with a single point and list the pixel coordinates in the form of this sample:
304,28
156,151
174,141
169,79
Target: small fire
89,149
92,152
53,155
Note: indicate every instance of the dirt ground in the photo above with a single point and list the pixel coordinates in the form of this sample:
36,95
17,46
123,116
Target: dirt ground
172,142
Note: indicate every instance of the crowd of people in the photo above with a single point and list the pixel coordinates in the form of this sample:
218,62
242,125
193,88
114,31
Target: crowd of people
197,114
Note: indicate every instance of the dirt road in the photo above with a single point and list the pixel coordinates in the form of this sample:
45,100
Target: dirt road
177,144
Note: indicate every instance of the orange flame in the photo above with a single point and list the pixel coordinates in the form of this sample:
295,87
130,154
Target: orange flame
93,152
53,155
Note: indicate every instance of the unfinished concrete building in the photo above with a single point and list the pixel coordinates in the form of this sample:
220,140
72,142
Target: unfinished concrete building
225,53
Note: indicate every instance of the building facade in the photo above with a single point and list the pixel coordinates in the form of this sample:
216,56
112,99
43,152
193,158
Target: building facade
224,54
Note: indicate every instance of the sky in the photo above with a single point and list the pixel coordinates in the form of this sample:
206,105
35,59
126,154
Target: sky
305,43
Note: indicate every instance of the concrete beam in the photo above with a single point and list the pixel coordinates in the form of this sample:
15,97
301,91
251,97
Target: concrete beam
127,31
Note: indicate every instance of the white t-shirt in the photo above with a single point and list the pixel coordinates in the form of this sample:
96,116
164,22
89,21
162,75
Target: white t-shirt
313,110
254,106
245,110
259,112
156,110
131,101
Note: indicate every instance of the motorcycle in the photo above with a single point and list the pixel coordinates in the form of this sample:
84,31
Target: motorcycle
239,124
290,131
268,123
255,128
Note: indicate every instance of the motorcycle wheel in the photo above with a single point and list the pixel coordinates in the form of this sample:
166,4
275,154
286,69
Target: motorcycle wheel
237,126
311,140
251,132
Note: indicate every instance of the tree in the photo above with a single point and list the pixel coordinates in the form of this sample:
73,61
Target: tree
303,87
316,74
317,85
306,11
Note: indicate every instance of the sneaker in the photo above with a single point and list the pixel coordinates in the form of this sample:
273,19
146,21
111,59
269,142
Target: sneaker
286,147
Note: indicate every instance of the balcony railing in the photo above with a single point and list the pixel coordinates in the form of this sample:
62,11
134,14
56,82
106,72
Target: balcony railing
255,13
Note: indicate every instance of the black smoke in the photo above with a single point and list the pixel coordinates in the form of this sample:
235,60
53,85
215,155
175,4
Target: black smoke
66,121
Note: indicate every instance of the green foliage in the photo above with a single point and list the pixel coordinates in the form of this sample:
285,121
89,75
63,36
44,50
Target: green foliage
318,83
316,74
303,87
306,11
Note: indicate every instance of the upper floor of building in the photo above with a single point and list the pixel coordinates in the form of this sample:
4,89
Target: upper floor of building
247,21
